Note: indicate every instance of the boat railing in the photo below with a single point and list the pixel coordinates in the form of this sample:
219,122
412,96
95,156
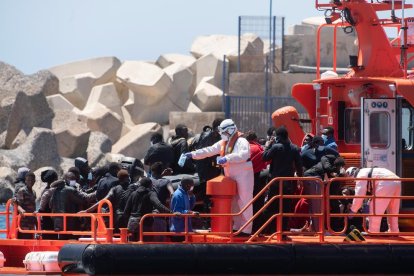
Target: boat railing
324,214
371,198
101,223
98,222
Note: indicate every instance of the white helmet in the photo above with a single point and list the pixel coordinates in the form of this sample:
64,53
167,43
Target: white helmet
351,171
227,127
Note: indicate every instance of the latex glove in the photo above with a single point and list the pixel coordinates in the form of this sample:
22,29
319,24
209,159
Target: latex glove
188,155
222,161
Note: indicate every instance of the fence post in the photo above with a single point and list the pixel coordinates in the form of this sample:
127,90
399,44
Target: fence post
238,46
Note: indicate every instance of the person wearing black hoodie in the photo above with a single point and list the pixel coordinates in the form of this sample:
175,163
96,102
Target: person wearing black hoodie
142,201
118,197
47,176
180,146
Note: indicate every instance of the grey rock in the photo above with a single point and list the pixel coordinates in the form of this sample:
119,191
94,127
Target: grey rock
99,144
39,150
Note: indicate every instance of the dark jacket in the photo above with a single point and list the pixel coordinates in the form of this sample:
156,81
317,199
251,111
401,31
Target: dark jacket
179,145
326,165
285,159
160,152
142,201
118,196
207,167
105,184
312,156
65,199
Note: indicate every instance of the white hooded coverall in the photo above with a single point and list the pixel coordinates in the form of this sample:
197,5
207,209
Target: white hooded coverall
380,188
241,170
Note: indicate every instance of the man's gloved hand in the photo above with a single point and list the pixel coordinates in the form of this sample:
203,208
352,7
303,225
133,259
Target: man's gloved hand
188,155
222,160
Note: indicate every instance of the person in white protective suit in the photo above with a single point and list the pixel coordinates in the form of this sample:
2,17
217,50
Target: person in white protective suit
235,158
380,188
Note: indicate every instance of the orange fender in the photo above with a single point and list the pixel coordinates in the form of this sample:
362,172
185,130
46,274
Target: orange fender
288,116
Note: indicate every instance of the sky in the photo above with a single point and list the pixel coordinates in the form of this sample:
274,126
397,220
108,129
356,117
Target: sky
39,34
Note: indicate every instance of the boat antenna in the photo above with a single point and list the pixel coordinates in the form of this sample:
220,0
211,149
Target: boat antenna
403,35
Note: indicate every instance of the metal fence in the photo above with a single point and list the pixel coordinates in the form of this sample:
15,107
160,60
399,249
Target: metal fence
271,30
254,113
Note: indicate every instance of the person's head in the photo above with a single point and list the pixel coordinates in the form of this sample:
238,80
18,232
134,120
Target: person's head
181,130
123,176
227,129
114,168
70,178
352,172
76,172
251,136
187,183
157,168
307,140
134,167
83,166
328,131
282,133
48,176
318,143
21,174
339,166
271,132
30,179
98,173
156,138
145,182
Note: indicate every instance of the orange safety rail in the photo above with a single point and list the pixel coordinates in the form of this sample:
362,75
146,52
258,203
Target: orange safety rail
6,213
318,46
279,216
98,227
347,181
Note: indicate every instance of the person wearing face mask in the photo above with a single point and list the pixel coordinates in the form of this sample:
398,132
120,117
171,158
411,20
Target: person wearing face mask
234,152
118,196
182,201
108,181
329,166
285,161
313,155
328,138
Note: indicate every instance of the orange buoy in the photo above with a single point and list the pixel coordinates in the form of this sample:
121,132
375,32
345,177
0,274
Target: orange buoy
288,116
221,189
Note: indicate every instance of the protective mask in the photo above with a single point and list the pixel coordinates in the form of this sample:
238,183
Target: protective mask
151,144
342,171
224,137
191,188
72,182
324,137
320,148
90,176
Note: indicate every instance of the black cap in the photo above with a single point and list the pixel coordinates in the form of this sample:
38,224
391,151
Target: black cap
48,176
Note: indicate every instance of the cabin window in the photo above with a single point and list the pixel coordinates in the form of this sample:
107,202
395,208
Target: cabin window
379,133
407,126
353,126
